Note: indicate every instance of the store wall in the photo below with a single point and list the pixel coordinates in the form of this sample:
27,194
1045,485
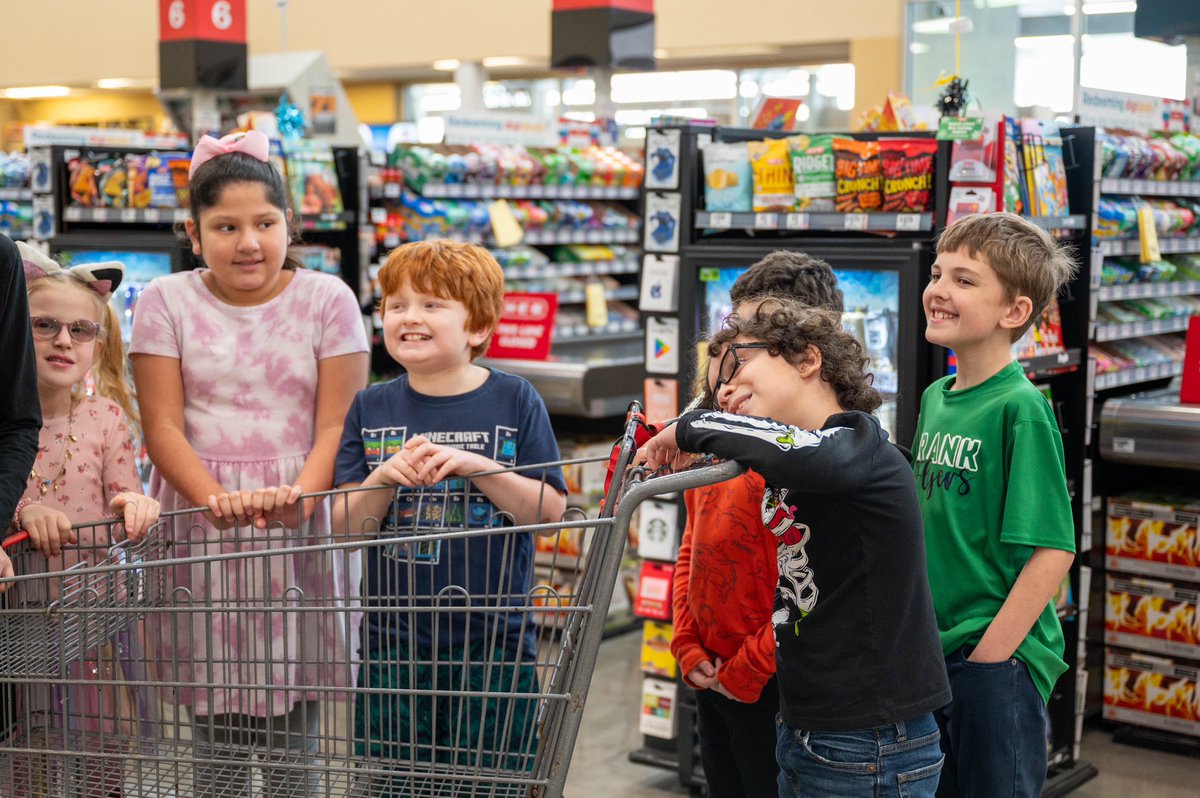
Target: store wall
365,36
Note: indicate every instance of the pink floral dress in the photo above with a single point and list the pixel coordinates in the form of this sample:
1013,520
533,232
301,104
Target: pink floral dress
249,628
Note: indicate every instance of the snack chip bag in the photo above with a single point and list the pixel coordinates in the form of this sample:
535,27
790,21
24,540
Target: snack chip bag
859,176
727,182
813,172
772,167
907,174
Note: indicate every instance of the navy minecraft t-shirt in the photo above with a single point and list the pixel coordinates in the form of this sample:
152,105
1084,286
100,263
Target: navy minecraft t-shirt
504,420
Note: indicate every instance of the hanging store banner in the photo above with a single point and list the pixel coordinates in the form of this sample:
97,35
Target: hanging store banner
608,34
496,128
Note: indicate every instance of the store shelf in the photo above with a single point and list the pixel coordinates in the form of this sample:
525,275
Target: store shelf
16,194
1153,645
1166,246
1111,293
1153,429
125,215
854,222
581,269
1160,570
1120,379
615,331
21,234
624,293
478,191
1073,222
1136,329
1047,365
1157,188
552,237
326,221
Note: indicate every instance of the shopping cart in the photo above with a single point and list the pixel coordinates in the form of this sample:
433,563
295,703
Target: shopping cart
430,652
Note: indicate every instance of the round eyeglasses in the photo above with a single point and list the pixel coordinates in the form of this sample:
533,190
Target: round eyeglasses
81,330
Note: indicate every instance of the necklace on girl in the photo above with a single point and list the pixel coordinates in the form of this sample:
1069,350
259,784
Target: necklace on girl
44,485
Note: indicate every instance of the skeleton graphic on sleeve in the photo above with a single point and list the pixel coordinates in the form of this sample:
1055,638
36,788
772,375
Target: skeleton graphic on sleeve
797,592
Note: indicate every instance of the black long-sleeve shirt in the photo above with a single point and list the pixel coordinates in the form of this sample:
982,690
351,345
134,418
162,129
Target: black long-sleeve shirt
20,411
855,634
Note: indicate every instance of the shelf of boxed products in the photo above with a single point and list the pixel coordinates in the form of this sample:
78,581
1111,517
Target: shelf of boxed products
1166,246
1157,188
1137,329
491,191
1112,293
74,213
1153,691
1134,376
16,194
1153,615
855,222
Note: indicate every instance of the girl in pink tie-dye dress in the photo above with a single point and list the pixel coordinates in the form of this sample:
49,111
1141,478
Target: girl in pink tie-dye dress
248,367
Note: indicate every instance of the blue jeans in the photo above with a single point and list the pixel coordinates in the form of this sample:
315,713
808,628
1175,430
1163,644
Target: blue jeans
993,731
902,759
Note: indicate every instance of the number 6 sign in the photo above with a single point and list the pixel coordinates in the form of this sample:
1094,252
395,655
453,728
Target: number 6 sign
202,20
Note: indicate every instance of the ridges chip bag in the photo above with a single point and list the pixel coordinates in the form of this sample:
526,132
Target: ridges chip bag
813,173
907,174
859,176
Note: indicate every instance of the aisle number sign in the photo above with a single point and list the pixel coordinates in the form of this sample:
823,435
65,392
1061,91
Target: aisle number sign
204,20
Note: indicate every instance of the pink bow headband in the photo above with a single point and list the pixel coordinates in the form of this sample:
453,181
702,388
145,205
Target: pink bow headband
253,143
103,278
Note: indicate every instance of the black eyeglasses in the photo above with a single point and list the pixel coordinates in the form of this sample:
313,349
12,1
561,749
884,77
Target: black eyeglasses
81,330
730,363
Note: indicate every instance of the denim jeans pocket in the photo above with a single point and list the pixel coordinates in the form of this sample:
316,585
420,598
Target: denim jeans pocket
922,782
851,752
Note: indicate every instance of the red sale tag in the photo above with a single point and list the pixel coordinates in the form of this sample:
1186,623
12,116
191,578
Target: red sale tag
1190,392
525,327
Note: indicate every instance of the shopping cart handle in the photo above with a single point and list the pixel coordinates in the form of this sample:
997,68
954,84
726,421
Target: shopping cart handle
14,539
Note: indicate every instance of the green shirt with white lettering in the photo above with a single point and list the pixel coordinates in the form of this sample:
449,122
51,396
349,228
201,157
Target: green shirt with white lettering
988,461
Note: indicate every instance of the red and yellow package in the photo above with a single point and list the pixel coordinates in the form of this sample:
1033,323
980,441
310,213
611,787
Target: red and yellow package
907,174
859,176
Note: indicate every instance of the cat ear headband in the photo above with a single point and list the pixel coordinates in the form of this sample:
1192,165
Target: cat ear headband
103,278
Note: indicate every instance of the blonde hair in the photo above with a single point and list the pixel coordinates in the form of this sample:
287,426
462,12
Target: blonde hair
109,368
1027,260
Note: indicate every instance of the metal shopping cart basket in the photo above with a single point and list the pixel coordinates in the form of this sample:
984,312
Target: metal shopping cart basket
432,650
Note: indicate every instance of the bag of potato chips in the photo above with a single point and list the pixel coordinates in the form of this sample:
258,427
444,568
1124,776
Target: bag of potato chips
813,173
772,165
727,183
859,176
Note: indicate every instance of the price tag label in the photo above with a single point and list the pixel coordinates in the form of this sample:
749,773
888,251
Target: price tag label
1064,358
152,215
520,191
129,215
612,192
908,222
766,221
378,215
391,190
391,241
720,220
594,236
855,221
796,221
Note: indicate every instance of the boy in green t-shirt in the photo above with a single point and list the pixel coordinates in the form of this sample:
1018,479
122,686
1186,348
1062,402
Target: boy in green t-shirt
999,535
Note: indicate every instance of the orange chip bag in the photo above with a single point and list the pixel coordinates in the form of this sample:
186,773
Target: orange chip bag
859,176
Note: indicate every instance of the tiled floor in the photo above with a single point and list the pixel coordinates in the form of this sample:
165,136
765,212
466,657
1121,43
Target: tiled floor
601,763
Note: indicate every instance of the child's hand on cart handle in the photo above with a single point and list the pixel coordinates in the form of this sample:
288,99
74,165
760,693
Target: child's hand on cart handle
662,451
396,470
48,529
434,462
6,570
279,503
139,512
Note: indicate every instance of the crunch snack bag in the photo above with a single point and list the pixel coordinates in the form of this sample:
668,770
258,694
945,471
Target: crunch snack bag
813,172
859,176
907,174
772,175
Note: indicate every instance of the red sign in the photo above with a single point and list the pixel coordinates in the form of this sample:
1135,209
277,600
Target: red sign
207,20
525,327
653,598
1190,392
641,6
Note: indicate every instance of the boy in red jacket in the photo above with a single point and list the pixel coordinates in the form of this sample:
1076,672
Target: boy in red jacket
725,580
